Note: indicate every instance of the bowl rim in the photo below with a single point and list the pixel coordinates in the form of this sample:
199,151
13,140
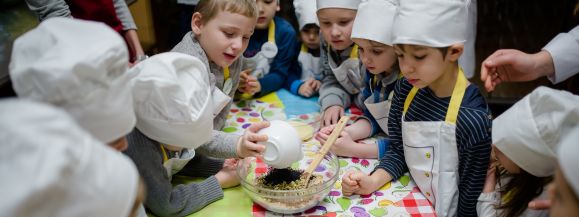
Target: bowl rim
333,158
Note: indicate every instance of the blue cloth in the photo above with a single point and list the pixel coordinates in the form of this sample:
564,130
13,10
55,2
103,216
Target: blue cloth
284,69
473,137
297,105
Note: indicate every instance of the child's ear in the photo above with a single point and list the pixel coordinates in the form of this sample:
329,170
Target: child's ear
196,23
454,52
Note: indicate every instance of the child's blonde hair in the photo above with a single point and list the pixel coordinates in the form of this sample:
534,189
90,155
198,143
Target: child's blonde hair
209,8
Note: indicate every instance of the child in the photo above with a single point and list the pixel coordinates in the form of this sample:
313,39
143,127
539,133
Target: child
309,57
372,32
439,125
564,192
174,111
52,167
342,77
525,139
81,67
220,33
271,55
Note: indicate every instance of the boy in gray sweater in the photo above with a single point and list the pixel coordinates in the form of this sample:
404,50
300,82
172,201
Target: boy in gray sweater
173,104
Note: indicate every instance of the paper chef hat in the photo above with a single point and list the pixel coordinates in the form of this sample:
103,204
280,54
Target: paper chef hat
173,100
432,23
346,4
568,152
531,130
53,167
374,21
306,12
80,66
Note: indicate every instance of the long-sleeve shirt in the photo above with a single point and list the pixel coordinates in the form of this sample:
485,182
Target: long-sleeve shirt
487,202
331,91
473,137
284,70
59,8
221,144
379,87
164,199
564,50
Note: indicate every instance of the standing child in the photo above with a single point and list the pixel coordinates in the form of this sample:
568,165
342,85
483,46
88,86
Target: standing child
271,55
174,112
220,33
52,167
372,32
80,66
309,57
342,76
525,139
439,125
564,191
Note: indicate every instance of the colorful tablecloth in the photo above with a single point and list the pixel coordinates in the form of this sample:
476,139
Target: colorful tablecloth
399,198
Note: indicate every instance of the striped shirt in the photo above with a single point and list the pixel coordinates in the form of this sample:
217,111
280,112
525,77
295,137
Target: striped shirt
473,136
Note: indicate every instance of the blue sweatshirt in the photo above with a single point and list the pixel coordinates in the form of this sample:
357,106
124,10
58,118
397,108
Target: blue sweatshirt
285,70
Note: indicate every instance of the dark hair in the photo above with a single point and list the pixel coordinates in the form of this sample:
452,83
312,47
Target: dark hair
309,26
443,50
520,190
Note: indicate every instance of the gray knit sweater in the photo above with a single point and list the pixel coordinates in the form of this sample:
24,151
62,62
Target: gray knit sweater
164,199
222,144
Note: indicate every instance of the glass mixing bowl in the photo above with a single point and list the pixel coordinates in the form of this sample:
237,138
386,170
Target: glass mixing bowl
289,201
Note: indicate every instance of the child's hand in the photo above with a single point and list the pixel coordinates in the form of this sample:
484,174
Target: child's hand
247,145
491,180
309,87
332,114
248,83
343,144
356,182
227,177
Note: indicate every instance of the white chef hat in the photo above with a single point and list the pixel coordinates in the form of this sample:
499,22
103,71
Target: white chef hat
347,4
306,12
52,167
173,102
530,131
79,66
568,152
374,21
432,23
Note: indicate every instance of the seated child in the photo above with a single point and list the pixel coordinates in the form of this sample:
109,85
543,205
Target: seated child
372,32
173,104
439,125
53,167
220,33
340,68
526,138
309,57
271,57
80,66
564,191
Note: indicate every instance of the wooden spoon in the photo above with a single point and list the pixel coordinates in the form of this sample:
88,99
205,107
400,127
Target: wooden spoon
325,148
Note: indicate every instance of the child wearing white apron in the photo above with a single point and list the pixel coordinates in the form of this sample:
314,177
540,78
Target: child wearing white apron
309,57
439,125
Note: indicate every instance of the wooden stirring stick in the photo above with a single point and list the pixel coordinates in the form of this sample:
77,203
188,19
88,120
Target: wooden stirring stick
325,148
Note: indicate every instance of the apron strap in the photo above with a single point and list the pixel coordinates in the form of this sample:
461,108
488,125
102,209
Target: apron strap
455,99
165,158
226,73
271,32
304,48
353,52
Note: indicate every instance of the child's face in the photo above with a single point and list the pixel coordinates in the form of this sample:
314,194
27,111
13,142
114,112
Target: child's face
267,9
225,37
507,163
564,202
377,57
424,66
336,26
311,37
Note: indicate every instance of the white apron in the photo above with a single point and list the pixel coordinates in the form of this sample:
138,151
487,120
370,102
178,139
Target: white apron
174,164
260,62
431,153
380,109
309,63
348,73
